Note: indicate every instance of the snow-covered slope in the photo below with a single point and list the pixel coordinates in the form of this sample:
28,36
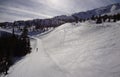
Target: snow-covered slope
74,50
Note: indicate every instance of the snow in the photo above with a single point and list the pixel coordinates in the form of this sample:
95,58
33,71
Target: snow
73,50
113,8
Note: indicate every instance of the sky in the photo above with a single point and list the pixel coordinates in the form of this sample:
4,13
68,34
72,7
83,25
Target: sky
12,10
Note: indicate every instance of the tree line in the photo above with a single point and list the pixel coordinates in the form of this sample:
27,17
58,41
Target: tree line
33,25
99,19
12,46
106,18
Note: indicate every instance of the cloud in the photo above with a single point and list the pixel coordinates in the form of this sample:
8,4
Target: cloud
27,9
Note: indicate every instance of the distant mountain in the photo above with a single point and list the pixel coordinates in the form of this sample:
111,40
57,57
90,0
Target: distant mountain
110,9
59,20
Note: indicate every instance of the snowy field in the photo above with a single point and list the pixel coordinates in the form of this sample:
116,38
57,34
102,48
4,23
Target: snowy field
73,50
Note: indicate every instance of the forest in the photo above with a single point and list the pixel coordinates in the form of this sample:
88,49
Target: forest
12,46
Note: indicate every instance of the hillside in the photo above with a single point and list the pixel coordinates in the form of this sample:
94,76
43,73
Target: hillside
59,20
73,50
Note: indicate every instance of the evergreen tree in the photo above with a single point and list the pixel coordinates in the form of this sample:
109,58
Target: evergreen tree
93,17
99,20
76,18
26,41
105,18
13,46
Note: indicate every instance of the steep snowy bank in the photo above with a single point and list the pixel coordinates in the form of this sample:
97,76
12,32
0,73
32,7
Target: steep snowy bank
86,50
74,50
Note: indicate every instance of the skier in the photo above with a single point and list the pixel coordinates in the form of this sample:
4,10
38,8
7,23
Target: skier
36,49
6,68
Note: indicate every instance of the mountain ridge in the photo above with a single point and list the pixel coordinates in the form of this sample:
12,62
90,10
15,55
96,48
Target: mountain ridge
98,11
59,20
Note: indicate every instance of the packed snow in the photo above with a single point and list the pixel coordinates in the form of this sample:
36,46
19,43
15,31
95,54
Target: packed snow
73,50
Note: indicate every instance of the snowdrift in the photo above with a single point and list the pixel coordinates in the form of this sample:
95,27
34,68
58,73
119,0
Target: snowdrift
74,50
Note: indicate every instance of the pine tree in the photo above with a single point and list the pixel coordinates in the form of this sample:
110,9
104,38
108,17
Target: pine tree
99,20
93,17
24,34
76,18
114,18
25,41
105,18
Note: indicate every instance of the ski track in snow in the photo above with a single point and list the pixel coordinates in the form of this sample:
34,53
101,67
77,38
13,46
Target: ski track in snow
47,67
73,50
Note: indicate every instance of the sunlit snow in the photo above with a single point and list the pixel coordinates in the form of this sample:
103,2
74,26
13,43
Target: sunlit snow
73,50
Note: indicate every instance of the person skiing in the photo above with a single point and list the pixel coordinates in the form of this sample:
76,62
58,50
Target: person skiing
36,49
6,68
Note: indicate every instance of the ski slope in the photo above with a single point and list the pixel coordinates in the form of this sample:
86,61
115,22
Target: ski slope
73,50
